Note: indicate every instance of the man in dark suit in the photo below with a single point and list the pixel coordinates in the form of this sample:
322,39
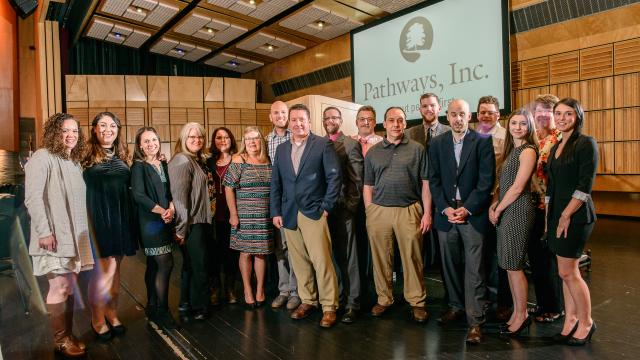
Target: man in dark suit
342,219
305,186
461,176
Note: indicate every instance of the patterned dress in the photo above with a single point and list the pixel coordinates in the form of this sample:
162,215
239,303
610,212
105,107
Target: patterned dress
252,184
517,219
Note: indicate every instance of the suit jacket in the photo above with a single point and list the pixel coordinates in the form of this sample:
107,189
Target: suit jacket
474,177
314,189
577,174
351,160
416,133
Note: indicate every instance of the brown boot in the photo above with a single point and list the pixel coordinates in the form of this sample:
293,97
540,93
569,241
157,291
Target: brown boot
64,344
68,315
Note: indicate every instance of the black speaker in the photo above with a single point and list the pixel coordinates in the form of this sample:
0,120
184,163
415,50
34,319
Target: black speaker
24,8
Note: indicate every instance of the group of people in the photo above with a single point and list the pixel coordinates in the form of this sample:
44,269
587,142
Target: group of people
485,200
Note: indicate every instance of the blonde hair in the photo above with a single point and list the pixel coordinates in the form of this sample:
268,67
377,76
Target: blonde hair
263,156
181,145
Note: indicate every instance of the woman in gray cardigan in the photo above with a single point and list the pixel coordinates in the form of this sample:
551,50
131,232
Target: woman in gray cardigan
60,246
189,178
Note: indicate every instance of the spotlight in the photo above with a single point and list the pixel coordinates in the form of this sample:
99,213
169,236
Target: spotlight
117,35
138,10
210,30
180,51
252,2
320,23
269,47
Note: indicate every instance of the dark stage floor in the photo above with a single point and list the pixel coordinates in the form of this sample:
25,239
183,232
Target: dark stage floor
235,333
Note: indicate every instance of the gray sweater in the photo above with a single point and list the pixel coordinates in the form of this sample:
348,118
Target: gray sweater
190,193
55,197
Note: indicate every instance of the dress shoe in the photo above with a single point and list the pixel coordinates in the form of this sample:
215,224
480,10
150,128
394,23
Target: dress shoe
503,313
419,314
581,342
251,305
116,329
525,325
165,320
328,319
201,315
474,336
293,303
231,297
279,301
559,337
548,317
378,310
450,316
105,336
349,316
184,307
303,311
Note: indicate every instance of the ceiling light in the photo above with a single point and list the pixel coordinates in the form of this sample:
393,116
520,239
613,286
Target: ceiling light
117,35
252,2
210,30
269,47
233,63
320,23
139,10
180,51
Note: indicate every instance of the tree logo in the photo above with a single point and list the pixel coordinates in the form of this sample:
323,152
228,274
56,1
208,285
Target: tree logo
416,38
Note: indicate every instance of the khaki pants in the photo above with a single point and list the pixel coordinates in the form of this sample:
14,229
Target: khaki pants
310,254
402,223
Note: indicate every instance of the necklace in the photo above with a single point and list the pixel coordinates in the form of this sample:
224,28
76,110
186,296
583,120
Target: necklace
220,172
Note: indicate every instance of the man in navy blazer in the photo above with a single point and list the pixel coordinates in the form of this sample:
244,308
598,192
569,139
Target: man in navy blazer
305,185
461,177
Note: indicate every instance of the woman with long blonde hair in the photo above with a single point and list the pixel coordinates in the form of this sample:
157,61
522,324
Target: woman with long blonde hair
190,190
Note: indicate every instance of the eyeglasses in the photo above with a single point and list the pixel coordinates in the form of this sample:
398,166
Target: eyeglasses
252,138
194,137
334,118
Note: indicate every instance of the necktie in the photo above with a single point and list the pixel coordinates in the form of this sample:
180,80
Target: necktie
428,138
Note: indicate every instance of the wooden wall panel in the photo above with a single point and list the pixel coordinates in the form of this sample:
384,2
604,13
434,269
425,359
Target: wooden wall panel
177,115
239,93
213,89
606,160
158,91
195,115
516,75
186,91
136,91
76,88
215,117
627,56
564,67
106,90
232,116
571,89
597,94
135,116
248,116
627,88
627,124
627,157
596,62
159,116
80,114
527,96
600,125
535,72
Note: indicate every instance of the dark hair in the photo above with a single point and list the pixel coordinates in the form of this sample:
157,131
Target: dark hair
489,99
215,153
366,108
52,138
331,108
300,107
428,95
95,152
530,139
138,153
570,146
395,107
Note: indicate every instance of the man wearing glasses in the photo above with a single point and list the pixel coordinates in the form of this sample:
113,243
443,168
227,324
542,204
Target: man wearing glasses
366,123
342,219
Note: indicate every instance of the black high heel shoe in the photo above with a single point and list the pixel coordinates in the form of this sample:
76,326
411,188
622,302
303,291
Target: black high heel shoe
581,342
559,337
116,329
104,337
525,325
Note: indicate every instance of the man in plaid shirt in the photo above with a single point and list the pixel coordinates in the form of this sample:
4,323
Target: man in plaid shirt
287,285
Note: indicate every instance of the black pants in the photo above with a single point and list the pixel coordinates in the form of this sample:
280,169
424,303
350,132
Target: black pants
225,266
194,285
544,270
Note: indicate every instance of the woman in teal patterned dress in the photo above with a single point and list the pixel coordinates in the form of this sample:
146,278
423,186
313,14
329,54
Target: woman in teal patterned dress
247,186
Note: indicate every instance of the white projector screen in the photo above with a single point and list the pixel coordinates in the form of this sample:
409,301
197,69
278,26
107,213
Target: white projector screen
453,48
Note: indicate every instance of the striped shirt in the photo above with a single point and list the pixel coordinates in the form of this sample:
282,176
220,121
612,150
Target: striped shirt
274,140
396,172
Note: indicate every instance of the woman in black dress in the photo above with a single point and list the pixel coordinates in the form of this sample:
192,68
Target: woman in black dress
112,219
151,191
223,145
571,169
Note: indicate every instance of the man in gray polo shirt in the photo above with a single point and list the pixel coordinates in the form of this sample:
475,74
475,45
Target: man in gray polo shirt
397,207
